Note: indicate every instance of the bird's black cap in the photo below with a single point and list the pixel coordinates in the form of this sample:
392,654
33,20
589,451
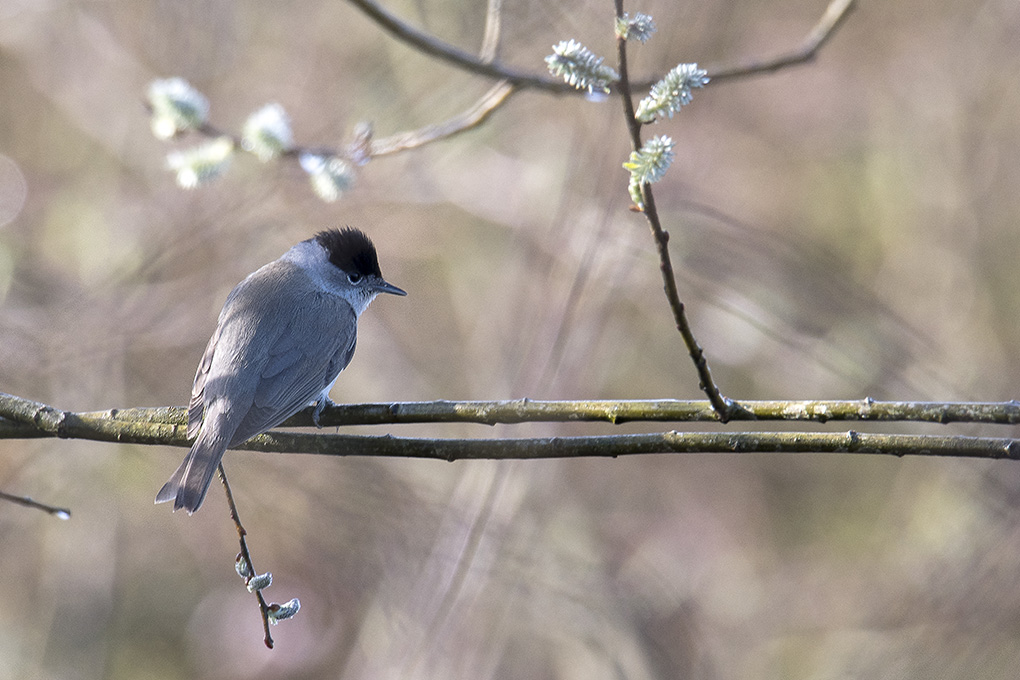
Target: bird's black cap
350,250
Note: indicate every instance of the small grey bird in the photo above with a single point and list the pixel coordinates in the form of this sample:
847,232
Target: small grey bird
283,337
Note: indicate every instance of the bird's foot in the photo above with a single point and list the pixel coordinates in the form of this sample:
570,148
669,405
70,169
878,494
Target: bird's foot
319,406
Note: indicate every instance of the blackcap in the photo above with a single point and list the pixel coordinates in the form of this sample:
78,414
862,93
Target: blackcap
283,337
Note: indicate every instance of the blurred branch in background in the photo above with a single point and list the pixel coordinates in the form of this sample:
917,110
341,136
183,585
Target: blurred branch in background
483,65
60,513
472,117
835,14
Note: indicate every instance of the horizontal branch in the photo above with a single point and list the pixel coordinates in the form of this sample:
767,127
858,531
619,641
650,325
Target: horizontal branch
573,447
22,418
661,410
612,446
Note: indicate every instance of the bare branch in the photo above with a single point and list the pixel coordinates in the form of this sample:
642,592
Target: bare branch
519,411
62,513
612,446
249,567
512,80
484,65
429,44
835,14
724,408
639,444
143,426
489,51
23,418
474,116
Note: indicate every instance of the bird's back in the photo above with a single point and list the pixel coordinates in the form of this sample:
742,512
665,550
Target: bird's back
279,344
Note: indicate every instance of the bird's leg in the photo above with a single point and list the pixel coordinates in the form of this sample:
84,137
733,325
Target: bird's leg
321,404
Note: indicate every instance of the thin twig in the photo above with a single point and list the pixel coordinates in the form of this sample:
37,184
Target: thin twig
429,44
623,86
472,117
834,16
62,513
725,408
489,50
246,556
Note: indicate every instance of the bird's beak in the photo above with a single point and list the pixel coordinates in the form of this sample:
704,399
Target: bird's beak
384,287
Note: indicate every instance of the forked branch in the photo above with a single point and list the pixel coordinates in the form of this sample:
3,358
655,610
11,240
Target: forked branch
484,65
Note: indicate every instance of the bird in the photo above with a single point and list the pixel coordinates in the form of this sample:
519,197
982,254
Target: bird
283,336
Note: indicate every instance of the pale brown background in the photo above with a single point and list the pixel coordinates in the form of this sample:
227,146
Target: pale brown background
857,236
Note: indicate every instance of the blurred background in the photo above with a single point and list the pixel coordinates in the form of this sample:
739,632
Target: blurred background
840,230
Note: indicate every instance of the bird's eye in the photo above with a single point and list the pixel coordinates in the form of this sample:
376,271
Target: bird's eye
354,277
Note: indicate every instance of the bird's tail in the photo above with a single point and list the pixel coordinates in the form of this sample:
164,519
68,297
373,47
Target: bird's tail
188,485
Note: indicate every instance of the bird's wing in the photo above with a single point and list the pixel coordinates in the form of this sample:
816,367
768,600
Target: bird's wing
274,350
315,344
196,408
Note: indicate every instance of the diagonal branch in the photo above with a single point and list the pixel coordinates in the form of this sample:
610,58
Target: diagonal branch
61,513
474,116
835,14
429,44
